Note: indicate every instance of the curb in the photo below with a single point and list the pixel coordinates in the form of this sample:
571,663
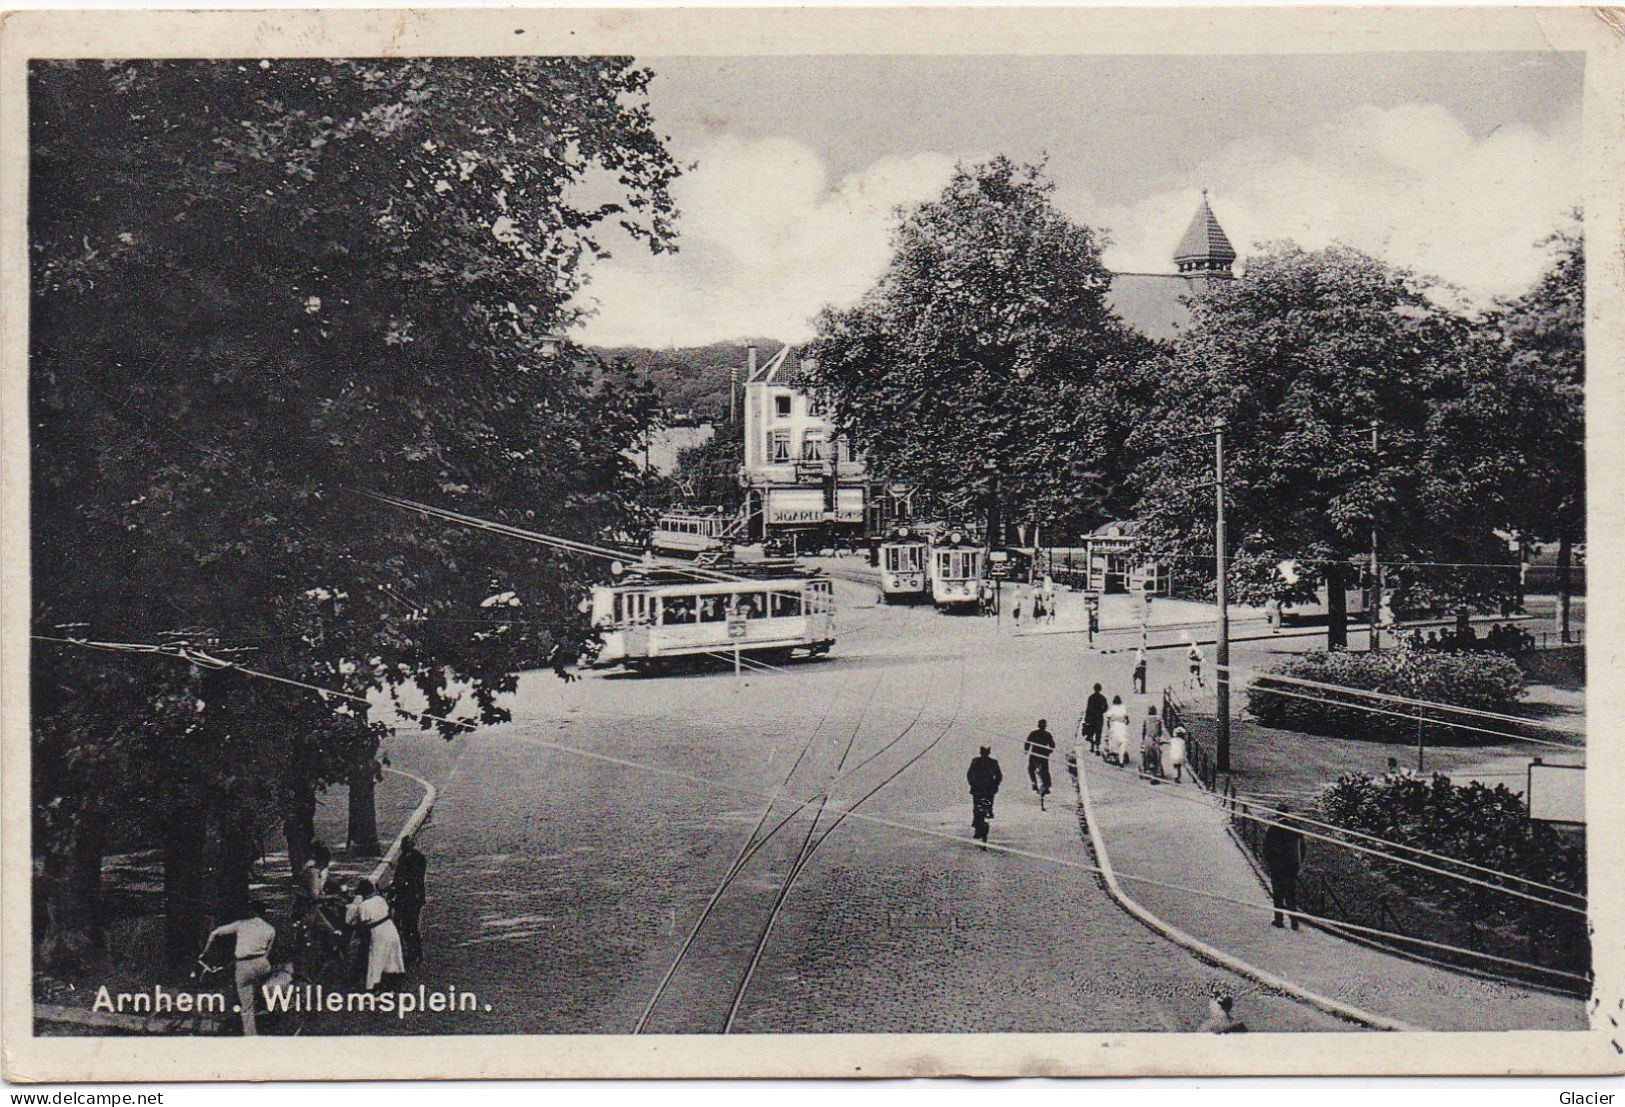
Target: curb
1210,953
412,825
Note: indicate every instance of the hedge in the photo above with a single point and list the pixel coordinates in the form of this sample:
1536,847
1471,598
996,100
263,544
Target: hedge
1477,824
1487,681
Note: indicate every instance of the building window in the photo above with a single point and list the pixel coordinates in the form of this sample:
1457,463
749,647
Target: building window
781,406
812,446
817,405
778,447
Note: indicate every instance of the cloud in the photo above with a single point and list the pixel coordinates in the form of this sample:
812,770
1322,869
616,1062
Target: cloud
1408,184
766,239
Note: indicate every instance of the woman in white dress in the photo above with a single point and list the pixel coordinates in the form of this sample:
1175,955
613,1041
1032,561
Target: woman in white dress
370,911
1176,753
1117,731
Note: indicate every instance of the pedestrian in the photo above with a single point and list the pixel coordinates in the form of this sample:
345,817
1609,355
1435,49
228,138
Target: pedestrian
313,930
1220,1019
1139,670
1039,745
1151,744
1117,732
1094,718
984,778
1272,616
1049,600
369,913
1020,605
410,894
253,936
1284,851
1176,753
1194,656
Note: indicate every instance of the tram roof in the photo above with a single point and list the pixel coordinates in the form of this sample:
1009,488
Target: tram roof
752,575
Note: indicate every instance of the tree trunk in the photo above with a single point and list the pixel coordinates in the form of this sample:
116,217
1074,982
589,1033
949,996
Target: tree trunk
299,820
183,885
364,813
1337,609
1565,582
73,939
231,853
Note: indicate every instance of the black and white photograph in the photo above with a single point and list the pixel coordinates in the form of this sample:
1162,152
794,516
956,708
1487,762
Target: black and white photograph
667,536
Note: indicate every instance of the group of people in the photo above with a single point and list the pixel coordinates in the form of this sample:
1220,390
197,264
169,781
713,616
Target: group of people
1501,638
1105,730
1037,598
379,933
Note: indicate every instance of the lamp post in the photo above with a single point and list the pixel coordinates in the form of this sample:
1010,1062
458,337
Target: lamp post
1374,602
1221,684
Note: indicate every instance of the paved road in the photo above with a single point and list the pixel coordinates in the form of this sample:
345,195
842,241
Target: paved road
565,888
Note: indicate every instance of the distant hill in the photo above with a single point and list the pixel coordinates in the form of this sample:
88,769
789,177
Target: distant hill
692,378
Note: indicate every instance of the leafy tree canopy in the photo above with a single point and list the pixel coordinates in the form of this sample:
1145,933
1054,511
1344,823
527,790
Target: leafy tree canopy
1300,356
980,348
257,286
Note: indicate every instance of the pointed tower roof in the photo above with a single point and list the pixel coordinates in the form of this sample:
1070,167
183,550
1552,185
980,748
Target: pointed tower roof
1204,247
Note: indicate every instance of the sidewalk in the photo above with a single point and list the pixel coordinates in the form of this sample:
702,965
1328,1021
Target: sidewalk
1150,832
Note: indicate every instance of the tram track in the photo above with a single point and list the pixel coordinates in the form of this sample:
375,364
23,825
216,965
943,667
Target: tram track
719,936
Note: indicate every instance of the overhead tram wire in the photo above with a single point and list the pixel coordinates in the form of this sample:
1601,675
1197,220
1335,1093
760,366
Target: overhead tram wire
1389,697
569,545
930,832
1414,718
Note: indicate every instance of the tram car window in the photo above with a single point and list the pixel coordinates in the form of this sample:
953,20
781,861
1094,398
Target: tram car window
664,616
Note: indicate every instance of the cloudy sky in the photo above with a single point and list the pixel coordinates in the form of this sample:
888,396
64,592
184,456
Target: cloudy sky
1453,164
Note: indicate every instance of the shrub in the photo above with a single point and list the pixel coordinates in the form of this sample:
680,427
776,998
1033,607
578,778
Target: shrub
1488,681
1473,823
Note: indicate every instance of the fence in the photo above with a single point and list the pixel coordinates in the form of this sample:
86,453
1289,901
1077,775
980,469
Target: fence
1198,739
1341,886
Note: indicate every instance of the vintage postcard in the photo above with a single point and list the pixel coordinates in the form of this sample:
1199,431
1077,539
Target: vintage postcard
811,542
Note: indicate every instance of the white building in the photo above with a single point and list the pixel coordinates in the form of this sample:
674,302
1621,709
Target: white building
800,478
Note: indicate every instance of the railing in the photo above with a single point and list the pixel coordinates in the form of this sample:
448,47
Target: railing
1198,757
1335,886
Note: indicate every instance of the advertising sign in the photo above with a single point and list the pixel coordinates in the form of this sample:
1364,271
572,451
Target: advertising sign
1557,793
796,505
849,505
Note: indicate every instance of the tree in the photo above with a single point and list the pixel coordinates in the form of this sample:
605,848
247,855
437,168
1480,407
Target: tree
1300,356
256,289
1543,336
972,364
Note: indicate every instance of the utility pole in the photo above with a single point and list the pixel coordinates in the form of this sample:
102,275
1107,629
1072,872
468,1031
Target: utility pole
1222,682
1374,594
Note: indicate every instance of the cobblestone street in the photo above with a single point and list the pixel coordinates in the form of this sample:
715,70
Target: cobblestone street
564,888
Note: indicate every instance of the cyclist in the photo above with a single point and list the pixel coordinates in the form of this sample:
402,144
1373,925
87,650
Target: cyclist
984,777
1039,745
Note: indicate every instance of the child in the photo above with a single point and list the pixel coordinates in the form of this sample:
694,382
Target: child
1176,753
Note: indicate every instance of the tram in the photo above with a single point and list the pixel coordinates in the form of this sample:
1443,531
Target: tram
958,565
772,610
902,558
689,533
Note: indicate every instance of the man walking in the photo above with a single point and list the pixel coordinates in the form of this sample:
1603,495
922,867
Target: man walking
1094,718
1194,656
410,893
1139,670
1283,856
253,937
1039,745
984,778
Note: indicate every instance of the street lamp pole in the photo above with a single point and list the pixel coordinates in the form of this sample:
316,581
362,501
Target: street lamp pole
1375,595
1222,681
